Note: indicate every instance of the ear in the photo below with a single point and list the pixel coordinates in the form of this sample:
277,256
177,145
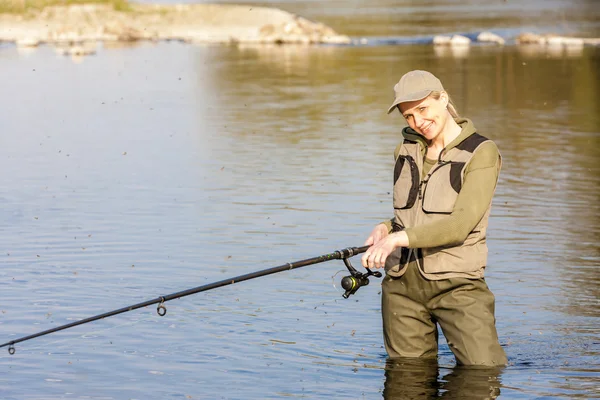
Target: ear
444,98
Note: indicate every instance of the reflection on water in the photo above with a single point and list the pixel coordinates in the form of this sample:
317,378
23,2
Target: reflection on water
414,379
533,51
124,178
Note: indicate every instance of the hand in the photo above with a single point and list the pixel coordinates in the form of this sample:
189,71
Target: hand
376,255
378,233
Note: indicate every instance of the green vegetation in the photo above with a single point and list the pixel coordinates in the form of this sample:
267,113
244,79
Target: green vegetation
22,6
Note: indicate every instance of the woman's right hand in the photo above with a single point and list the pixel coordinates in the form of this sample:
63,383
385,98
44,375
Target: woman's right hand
378,233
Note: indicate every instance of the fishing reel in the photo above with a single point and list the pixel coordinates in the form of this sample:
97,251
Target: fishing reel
355,280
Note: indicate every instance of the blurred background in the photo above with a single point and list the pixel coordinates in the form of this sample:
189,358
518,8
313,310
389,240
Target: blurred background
150,168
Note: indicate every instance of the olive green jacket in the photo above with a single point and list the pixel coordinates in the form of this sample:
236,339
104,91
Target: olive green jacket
426,201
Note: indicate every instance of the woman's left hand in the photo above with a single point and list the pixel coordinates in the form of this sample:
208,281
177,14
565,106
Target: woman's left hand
376,255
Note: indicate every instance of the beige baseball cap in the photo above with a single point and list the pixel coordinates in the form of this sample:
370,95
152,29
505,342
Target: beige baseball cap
415,85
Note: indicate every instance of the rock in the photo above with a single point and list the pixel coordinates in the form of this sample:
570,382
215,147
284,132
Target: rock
530,38
458,40
555,40
564,41
118,31
441,40
592,41
299,30
490,37
28,42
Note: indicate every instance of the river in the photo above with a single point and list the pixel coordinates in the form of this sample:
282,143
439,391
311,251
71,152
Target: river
152,168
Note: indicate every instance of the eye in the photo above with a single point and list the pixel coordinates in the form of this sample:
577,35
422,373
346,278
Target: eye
421,109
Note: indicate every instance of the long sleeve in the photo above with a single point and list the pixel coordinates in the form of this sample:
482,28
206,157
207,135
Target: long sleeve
471,204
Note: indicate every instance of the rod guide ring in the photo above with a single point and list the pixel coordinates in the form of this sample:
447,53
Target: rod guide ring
161,309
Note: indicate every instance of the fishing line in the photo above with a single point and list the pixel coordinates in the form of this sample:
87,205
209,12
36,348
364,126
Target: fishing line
338,290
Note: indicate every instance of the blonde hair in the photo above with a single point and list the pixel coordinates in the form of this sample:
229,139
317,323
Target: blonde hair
450,107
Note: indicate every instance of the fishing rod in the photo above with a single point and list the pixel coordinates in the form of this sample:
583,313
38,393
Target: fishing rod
350,283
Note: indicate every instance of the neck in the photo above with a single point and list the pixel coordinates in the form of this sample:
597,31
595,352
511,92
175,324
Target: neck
449,133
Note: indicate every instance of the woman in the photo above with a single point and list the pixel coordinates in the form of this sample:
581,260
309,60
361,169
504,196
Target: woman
434,249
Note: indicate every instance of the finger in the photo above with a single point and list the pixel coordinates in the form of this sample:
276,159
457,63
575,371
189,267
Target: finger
377,261
381,260
365,260
370,240
374,261
371,260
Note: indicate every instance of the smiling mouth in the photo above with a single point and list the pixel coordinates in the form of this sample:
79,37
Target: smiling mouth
426,127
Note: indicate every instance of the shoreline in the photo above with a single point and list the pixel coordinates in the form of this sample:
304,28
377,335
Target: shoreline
77,29
193,23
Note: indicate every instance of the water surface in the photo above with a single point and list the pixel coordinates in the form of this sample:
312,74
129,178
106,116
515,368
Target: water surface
151,169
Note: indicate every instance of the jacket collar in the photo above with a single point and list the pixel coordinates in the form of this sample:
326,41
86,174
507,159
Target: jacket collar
468,129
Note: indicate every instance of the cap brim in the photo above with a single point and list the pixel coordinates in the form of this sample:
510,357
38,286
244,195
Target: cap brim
411,97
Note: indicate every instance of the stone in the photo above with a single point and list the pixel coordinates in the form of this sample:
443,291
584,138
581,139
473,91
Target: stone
441,40
555,40
565,41
530,38
490,37
28,42
459,40
456,40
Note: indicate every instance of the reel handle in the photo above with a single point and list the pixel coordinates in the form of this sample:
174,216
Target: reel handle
355,280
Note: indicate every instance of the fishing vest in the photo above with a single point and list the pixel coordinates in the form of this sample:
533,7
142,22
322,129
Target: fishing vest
420,201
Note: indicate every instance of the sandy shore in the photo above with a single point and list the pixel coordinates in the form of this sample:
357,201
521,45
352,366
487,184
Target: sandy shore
196,23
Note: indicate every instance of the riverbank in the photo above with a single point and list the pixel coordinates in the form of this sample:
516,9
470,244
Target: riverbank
194,23
76,29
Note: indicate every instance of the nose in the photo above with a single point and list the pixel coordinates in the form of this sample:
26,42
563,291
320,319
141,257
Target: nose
418,121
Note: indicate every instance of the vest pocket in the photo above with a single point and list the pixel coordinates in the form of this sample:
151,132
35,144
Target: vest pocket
440,191
406,182
468,258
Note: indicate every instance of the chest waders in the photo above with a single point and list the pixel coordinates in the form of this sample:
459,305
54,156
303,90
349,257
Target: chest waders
445,285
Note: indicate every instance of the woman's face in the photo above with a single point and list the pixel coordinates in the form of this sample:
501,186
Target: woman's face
428,116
